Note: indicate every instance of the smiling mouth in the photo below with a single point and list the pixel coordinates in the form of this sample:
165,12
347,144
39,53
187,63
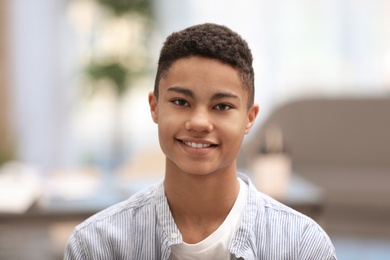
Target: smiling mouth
197,145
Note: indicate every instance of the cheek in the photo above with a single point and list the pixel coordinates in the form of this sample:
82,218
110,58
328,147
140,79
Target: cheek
234,126
164,139
233,133
166,125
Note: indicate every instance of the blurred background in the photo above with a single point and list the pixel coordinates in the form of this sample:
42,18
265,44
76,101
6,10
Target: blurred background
76,134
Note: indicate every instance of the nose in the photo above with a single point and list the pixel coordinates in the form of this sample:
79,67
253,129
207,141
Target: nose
199,121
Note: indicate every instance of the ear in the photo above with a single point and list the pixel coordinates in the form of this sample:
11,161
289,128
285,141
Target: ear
252,114
153,106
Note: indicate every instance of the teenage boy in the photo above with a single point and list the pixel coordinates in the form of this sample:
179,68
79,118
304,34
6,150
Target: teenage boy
203,104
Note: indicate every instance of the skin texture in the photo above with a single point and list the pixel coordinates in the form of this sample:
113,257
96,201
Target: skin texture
202,118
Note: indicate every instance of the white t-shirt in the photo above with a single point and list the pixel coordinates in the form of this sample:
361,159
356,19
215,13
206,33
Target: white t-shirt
216,245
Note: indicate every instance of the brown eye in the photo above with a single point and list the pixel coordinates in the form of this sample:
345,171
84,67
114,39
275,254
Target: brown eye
180,102
223,107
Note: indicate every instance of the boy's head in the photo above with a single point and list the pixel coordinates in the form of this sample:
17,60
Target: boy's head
208,41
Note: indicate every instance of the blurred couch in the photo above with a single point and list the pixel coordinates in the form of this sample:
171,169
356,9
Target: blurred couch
342,145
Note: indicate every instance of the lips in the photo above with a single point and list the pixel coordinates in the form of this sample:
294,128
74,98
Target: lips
197,145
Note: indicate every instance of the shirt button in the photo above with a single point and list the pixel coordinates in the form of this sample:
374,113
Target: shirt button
174,235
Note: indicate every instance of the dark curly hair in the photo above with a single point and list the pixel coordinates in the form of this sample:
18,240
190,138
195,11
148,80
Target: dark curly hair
209,41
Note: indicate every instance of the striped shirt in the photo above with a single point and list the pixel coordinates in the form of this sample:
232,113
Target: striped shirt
142,227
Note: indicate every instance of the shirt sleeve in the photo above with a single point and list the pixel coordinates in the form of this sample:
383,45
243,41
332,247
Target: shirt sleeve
315,244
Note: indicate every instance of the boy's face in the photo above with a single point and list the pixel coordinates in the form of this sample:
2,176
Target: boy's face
202,116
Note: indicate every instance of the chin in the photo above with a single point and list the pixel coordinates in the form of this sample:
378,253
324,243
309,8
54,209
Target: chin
197,172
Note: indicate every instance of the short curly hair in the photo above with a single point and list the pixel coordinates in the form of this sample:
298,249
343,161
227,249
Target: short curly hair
212,41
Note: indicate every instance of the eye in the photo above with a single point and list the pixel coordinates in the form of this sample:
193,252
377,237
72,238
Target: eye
180,102
223,107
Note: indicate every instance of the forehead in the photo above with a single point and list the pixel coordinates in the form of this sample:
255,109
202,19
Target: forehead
202,73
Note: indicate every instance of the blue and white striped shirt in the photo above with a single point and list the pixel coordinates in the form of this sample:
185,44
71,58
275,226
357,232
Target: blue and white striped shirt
142,227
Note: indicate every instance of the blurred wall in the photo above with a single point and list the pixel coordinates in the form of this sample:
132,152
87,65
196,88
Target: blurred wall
39,82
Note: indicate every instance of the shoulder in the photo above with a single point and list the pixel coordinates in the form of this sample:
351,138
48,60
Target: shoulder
123,230
275,213
285,228
283,218
265,206
137,204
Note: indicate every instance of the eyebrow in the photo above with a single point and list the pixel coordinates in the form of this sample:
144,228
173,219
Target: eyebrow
221,95
189,93
181,90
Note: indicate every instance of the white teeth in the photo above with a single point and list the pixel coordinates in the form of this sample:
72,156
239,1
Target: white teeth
196,145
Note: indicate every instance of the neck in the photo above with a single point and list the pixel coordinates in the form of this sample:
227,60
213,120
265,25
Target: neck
200,203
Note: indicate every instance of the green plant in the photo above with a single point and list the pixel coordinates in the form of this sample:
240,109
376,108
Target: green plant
113,71
120,7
